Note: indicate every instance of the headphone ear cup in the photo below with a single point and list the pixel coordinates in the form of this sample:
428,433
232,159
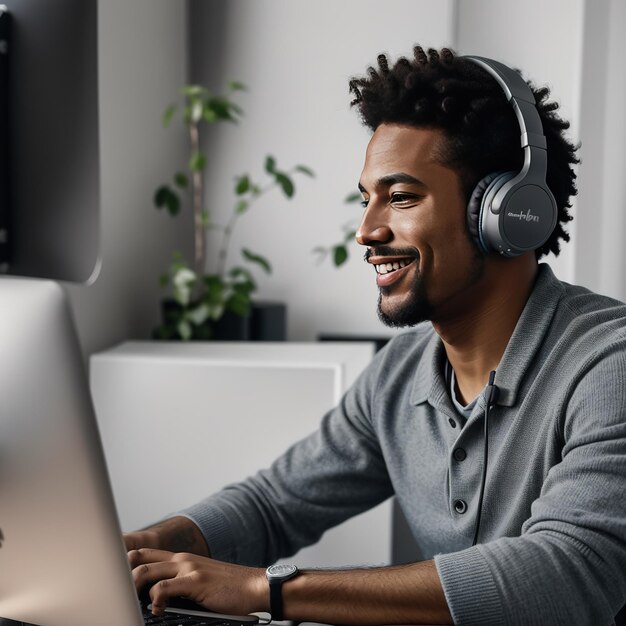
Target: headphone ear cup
483,189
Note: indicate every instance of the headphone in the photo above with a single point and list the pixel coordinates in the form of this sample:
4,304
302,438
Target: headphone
514,212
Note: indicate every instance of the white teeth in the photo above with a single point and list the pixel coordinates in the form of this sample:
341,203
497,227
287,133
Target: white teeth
385,268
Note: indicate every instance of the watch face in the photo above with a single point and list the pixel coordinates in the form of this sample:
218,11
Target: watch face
281,570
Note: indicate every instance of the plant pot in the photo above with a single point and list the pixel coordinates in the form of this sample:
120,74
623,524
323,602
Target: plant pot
267,322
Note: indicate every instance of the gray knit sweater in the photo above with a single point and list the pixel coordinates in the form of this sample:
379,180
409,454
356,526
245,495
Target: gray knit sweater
552,546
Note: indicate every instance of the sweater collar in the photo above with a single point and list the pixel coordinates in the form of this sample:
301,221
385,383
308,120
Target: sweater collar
522,348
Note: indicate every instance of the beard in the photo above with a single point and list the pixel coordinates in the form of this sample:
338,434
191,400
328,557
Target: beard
416,306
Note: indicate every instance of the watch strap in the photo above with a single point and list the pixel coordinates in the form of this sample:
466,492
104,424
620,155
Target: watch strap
276,599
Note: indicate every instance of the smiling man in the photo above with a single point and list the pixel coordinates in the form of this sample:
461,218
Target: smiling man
498,420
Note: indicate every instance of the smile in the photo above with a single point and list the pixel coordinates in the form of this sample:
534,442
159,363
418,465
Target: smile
386,268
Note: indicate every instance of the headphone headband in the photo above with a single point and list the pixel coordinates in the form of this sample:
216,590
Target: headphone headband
514,212
520,97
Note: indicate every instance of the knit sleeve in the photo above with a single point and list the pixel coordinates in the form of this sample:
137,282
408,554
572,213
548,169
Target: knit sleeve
569,564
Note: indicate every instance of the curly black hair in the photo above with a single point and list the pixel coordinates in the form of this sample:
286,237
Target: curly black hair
438,89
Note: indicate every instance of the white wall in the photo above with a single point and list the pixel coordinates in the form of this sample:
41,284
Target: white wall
142,63
600,259
296,56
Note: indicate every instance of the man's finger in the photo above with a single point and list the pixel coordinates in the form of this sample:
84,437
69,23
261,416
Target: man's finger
149,573
168,588
148,555
132,541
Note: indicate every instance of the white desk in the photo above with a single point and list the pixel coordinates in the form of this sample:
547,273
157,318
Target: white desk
179,421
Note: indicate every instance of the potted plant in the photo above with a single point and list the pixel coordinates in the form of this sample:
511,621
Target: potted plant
212,304
339,252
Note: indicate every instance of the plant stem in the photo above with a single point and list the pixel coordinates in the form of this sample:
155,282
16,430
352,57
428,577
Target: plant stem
223,253
228,229
198,223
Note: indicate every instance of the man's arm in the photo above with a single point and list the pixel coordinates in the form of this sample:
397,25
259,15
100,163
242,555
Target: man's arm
406,594
176,534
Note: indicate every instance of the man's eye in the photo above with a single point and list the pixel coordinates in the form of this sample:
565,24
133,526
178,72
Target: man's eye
402,198
364,203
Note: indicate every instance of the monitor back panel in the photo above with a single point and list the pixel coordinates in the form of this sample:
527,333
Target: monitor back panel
62,559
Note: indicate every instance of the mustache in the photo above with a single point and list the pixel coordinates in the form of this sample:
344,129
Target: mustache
389,251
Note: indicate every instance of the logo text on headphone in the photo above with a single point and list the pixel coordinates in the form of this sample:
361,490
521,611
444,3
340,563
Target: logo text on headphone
524,217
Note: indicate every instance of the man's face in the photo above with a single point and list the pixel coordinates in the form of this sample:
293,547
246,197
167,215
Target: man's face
414,227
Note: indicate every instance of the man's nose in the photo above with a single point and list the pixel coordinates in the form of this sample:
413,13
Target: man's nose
373,229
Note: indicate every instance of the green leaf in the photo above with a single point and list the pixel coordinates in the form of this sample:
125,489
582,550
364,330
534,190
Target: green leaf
206,218
340,254
239,303
221,107
285,183
256,258
184,330
181,180
350,235
353,197
168,115
241,207
270,164
242,275
197,162
195,91
234,85
164,280
245,288
165,197
183,280
305,170
160,196
199,314
208,114
235,108
216,311
243,185
214,292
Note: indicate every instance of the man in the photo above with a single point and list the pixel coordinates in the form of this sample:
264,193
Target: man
548,519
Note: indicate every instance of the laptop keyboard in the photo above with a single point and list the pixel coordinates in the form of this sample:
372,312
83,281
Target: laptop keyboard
168,619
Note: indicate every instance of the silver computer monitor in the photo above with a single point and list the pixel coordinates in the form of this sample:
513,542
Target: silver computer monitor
62,558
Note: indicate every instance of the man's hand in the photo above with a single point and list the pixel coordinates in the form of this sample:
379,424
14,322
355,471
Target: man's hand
177,534
214,585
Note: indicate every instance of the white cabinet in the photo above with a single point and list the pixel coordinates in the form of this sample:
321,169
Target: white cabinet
179,421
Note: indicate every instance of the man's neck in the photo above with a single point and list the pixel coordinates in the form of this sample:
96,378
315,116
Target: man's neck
475,340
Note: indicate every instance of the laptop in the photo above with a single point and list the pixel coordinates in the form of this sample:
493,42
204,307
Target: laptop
62,558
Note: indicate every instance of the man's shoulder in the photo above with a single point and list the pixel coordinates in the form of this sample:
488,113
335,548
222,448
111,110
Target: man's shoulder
587,328
583,310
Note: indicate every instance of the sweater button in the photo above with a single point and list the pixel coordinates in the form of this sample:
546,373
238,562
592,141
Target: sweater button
452,423
459,454
460,506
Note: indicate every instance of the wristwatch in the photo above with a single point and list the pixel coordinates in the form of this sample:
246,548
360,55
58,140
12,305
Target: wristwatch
276,576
